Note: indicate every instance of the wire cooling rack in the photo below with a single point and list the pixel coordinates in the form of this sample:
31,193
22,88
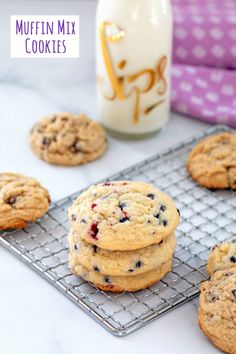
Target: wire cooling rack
206,218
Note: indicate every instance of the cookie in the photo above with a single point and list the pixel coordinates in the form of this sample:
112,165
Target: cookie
120,263
222,256
22,200
122,283
217,309
212,163
123,215
68,140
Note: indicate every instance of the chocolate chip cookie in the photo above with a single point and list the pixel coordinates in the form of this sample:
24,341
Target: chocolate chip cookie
123,215
68,140
217,309
122,283
223,256
22,200
212,163
119,263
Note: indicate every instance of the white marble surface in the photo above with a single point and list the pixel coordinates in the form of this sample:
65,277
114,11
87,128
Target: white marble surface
35,317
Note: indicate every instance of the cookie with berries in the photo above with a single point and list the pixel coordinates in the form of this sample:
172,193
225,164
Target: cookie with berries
123,215
122,283
120,263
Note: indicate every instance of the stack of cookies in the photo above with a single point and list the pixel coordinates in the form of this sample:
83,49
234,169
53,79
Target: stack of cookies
122,235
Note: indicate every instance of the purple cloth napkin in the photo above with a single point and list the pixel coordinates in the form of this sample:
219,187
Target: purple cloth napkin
203,78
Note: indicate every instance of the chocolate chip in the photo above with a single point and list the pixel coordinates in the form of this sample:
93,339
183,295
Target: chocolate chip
233,259
95,248
178,211
107,280
53,119
162,208
157,216
11,200
124,220
75,147
138,264
75,247
73,217
234,293
151,196
96,269
228,274
131,270
160,242
165,223
212,297
46,141
83,221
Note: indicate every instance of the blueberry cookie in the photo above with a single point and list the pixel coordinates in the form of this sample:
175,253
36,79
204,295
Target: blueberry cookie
67,140
22,200
212,163
123,283
217,309
120,263
222,256
123,215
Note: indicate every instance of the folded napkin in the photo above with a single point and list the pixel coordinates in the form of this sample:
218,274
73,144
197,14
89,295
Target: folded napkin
204,56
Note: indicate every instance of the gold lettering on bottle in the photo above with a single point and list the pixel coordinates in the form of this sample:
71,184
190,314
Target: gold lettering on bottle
151,77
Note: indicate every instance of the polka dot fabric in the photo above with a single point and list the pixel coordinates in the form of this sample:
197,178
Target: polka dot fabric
205,32
204,75
205,93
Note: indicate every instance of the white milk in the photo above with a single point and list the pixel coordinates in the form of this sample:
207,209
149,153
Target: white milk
134,44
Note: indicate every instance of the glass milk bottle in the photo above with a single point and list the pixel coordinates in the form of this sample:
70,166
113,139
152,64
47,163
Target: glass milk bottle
133,44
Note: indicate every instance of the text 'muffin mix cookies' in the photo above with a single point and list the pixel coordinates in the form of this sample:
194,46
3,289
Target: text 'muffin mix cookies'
122,235
66,139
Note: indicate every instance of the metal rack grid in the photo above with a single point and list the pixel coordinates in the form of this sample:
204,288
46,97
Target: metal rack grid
207,217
